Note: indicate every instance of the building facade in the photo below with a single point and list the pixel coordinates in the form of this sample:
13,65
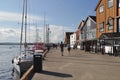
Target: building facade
73,40
107,17
108,24
78,36
67,37
88,34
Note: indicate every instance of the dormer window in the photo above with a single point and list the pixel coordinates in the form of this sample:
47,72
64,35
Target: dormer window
110,3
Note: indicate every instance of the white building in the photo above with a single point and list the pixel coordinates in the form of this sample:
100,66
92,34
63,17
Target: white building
72,39
88,34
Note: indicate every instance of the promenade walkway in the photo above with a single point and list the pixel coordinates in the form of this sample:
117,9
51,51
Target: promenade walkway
79,65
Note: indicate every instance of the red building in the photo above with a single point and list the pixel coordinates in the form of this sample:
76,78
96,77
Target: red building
67,37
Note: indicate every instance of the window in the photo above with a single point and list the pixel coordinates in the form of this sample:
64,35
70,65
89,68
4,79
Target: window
88,22
110,27
119,24
101,27
110,23
101,9
119,3
110,3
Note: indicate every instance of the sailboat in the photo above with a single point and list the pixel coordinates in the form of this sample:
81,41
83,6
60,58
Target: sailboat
24,61
38,45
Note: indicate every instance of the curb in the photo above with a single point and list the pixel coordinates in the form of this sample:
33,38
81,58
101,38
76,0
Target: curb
27,73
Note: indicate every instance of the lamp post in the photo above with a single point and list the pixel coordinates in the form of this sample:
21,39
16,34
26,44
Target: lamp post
85,34
110,23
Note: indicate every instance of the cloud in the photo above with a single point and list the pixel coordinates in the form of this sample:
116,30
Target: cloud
9,35
9,32
12,16
13,34
58,32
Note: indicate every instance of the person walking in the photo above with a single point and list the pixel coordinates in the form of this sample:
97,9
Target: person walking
62,48
69,48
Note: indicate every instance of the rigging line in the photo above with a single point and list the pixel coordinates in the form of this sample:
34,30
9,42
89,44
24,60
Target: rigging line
21,37
28,10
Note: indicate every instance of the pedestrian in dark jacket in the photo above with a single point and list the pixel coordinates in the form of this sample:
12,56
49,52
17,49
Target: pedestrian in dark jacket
62,48
69,48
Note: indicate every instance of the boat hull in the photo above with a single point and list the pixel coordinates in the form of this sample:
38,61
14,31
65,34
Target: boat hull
22,65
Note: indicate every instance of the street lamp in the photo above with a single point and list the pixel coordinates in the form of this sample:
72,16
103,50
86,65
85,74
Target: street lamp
110,24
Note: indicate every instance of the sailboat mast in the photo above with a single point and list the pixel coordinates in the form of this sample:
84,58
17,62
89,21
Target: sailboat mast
25,26
37,34
44,32
21,36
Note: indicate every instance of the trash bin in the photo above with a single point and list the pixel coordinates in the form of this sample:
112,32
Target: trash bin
37,62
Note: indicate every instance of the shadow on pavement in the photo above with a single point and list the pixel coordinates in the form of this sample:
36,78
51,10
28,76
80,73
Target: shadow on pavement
56,74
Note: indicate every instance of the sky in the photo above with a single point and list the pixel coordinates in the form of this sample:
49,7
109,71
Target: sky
61,15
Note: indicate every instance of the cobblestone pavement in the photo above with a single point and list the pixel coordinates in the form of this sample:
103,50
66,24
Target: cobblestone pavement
79,65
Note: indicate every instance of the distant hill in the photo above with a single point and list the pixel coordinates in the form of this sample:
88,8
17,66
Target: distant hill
7,43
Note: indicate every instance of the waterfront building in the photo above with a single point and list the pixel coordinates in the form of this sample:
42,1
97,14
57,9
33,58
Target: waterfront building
78,36
88,34
67,37
73,40
107,23
107,17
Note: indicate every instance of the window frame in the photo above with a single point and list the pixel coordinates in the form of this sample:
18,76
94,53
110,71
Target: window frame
110,3
119,3
101,27
110,27
101,9
119,24
110,23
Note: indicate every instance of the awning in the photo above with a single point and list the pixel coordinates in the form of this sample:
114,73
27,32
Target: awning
110,36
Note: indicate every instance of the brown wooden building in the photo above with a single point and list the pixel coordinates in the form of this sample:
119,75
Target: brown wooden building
108,23
107,17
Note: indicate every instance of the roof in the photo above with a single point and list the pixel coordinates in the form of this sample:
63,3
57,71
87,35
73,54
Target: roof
98,4
93,18
80,25
67,34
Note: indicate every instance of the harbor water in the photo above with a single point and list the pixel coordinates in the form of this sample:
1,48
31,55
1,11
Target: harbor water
7,52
